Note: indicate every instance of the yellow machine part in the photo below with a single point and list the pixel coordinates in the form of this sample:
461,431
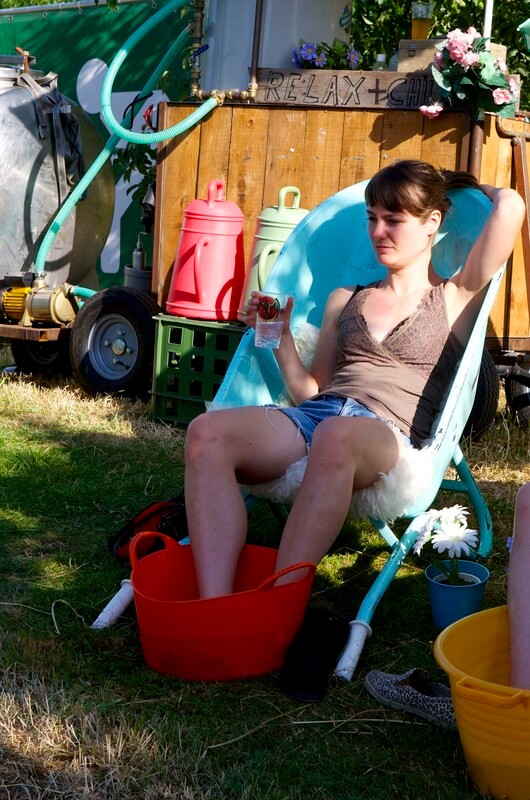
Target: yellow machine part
14,301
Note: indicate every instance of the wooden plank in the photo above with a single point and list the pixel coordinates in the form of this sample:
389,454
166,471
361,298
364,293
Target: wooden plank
441,143
176,167
214,154
359,158
285,153
246,168
520,284
321,165
402,135
344,88
33,334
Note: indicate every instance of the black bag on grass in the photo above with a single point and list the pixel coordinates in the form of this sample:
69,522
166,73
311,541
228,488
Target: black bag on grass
166,516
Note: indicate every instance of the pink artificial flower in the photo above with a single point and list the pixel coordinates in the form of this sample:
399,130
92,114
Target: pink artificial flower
473,33
457,51
432,111
470,59
438,60
514,88
501,64
459,45
501,96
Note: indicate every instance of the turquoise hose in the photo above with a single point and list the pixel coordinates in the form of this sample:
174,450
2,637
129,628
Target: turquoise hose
110,77
81,291
123,133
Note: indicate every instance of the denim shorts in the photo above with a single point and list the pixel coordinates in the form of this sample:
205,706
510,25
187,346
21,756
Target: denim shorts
308,414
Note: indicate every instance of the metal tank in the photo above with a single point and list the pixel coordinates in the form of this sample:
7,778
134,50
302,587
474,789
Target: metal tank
35,181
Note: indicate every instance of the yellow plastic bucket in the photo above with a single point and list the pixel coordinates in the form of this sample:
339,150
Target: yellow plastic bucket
493,718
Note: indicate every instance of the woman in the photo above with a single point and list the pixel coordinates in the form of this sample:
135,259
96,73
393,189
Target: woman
380,369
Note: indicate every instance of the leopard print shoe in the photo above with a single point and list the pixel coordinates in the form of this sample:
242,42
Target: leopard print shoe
414,692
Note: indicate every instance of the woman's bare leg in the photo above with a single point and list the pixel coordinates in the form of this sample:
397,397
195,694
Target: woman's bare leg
519,592
223,449
347,453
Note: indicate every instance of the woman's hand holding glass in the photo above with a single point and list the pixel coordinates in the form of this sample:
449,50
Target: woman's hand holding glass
269,314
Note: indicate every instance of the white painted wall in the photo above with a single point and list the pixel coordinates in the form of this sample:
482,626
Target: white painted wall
229,31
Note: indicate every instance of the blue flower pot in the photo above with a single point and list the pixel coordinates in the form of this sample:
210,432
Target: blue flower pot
450,603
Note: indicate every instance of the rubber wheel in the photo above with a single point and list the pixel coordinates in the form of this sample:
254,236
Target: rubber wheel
517,388
113,341
42,358
486,399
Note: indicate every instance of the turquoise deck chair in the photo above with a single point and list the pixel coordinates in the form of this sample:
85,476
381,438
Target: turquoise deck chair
331,248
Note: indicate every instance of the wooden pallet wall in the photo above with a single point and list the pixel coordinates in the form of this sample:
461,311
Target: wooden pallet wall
256,150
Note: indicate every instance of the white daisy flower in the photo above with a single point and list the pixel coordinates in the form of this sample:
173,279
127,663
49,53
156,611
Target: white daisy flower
455,539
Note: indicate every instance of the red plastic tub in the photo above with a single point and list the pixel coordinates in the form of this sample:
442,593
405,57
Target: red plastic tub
236,636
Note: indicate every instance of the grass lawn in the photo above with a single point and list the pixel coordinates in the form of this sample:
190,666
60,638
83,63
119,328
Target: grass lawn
81,715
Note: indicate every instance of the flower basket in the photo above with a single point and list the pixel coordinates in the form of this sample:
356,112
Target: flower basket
464,70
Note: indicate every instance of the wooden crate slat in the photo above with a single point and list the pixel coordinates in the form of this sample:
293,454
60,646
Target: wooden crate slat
285,152
402,132
359,159
214,155
321,162
441,142
246,169
177,167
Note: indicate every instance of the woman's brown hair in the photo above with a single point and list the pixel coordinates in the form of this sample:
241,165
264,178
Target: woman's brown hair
416,187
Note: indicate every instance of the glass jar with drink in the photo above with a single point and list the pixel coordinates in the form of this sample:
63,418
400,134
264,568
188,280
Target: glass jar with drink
422,20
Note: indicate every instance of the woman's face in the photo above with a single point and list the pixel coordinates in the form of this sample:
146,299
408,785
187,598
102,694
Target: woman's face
398,237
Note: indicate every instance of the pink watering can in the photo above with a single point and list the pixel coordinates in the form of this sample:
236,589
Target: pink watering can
209,269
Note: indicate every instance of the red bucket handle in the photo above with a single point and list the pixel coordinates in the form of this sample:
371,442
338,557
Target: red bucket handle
269,582
142,544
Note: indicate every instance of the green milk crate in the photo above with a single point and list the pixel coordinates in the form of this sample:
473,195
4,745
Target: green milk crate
191,360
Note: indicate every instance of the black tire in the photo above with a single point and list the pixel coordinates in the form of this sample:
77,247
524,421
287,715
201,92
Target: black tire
517,388
113,341
486,399
42,358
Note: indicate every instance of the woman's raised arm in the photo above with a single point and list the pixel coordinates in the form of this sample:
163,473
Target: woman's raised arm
492,248
497,240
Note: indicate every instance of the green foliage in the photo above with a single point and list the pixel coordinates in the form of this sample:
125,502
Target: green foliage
136,158
378,27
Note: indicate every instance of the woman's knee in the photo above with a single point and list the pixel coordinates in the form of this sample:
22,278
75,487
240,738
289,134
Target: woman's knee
203,435
332,441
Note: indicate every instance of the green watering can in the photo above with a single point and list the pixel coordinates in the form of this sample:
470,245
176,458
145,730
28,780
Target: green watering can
273,227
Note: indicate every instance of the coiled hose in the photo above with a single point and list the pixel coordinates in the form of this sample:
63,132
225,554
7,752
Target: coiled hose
121,132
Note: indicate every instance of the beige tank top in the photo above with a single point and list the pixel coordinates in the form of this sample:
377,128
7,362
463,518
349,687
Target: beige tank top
404,377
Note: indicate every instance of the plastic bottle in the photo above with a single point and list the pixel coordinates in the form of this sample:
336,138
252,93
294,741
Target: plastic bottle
380,62
393,63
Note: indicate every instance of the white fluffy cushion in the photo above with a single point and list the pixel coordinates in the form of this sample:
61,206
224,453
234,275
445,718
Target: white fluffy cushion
386,499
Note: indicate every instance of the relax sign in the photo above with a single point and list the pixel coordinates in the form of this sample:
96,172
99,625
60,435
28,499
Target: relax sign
344,88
